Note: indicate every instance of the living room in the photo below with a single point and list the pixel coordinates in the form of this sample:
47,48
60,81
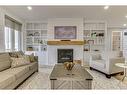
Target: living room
63,47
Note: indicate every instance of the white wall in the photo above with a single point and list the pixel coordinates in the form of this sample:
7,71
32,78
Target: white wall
65,22
77,49
4,12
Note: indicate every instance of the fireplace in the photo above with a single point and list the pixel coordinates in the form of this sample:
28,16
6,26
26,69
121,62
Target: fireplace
64,55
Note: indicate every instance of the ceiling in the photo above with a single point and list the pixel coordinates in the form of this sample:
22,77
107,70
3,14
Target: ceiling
115,15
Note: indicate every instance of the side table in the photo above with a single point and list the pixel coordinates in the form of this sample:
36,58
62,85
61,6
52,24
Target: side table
122,65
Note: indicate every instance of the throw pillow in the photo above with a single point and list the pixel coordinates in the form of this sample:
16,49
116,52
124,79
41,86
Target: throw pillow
19,55
13,54
27,58
32,59
16,62
21,52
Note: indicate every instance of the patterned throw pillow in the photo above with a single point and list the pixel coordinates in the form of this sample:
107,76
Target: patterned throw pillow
13,54
32,59
19,55
27,58
16,54
16,62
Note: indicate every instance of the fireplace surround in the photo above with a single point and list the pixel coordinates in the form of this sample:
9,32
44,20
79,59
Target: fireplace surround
64,55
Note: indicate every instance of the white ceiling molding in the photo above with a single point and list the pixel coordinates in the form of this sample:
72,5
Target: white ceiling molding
115,15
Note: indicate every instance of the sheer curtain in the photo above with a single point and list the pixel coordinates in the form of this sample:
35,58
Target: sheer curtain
12,34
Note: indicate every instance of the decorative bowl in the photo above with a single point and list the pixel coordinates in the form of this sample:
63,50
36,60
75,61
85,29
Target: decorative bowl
69,65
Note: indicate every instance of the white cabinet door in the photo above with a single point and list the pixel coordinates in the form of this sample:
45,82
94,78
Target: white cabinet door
42,57
86,58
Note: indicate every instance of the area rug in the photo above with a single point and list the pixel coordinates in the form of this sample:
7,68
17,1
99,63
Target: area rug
120,77
40,81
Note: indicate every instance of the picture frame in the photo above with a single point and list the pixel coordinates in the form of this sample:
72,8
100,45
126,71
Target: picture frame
65,32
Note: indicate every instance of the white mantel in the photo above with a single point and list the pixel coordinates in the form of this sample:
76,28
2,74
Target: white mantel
77,49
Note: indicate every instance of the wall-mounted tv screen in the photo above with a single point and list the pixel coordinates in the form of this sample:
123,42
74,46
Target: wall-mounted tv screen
65,32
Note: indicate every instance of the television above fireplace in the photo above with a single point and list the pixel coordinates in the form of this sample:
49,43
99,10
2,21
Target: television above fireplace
65,32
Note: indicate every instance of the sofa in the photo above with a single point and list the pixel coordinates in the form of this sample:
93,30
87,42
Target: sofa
11,78
104,62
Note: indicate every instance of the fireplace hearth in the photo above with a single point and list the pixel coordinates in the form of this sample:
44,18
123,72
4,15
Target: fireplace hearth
64,55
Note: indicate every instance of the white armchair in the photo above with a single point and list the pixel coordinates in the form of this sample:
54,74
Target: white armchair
105,63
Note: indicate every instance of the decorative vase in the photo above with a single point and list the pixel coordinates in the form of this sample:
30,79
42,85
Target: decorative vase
68,65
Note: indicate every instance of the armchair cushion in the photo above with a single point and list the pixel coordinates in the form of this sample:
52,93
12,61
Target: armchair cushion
5,58
99,63
96,57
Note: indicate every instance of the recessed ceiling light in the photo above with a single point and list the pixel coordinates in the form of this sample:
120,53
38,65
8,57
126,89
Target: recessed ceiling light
126,16
124,24
106,7
29,8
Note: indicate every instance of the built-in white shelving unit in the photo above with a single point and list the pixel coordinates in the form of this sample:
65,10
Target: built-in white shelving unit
36,40
36,36
94,35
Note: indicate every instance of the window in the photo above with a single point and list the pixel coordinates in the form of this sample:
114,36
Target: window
8,38
12,34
